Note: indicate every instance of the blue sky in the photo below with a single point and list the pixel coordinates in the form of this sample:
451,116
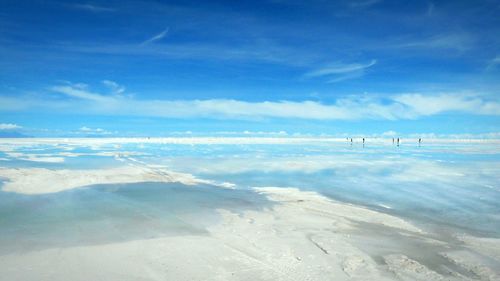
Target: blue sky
155,68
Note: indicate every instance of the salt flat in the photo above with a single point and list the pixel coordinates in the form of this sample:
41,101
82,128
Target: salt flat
305,237
153,211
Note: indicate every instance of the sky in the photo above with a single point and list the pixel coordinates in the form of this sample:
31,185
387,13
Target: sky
267,68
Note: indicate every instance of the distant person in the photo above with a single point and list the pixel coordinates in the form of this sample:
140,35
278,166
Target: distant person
398,141
419,141
392,140
363,140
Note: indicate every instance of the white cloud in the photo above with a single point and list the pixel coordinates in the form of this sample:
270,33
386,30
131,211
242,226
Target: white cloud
92,8
278,133
340,68
389,134
401,106
88,130
339,71
85,129
156,37
115,88
422,105
9,126
80,93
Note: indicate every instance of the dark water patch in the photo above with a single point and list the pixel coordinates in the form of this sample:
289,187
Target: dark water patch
441,210
427,249
114,213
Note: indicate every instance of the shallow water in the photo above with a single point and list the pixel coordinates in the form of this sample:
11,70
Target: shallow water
113,213
447,187
453,185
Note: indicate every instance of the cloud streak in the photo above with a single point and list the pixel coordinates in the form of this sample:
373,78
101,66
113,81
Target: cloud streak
454,41
337,72
92,8
339,68
155,38
80,93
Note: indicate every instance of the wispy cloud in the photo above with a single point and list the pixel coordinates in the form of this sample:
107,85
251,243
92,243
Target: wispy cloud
453,41
493,63
115,88
339,68
9,126
348,76
363,3
76,92
422,105
157,37
395,107
337,72
92,8
268,52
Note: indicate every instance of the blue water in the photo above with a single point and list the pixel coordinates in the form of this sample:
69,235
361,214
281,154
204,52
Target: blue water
113,213
456,186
